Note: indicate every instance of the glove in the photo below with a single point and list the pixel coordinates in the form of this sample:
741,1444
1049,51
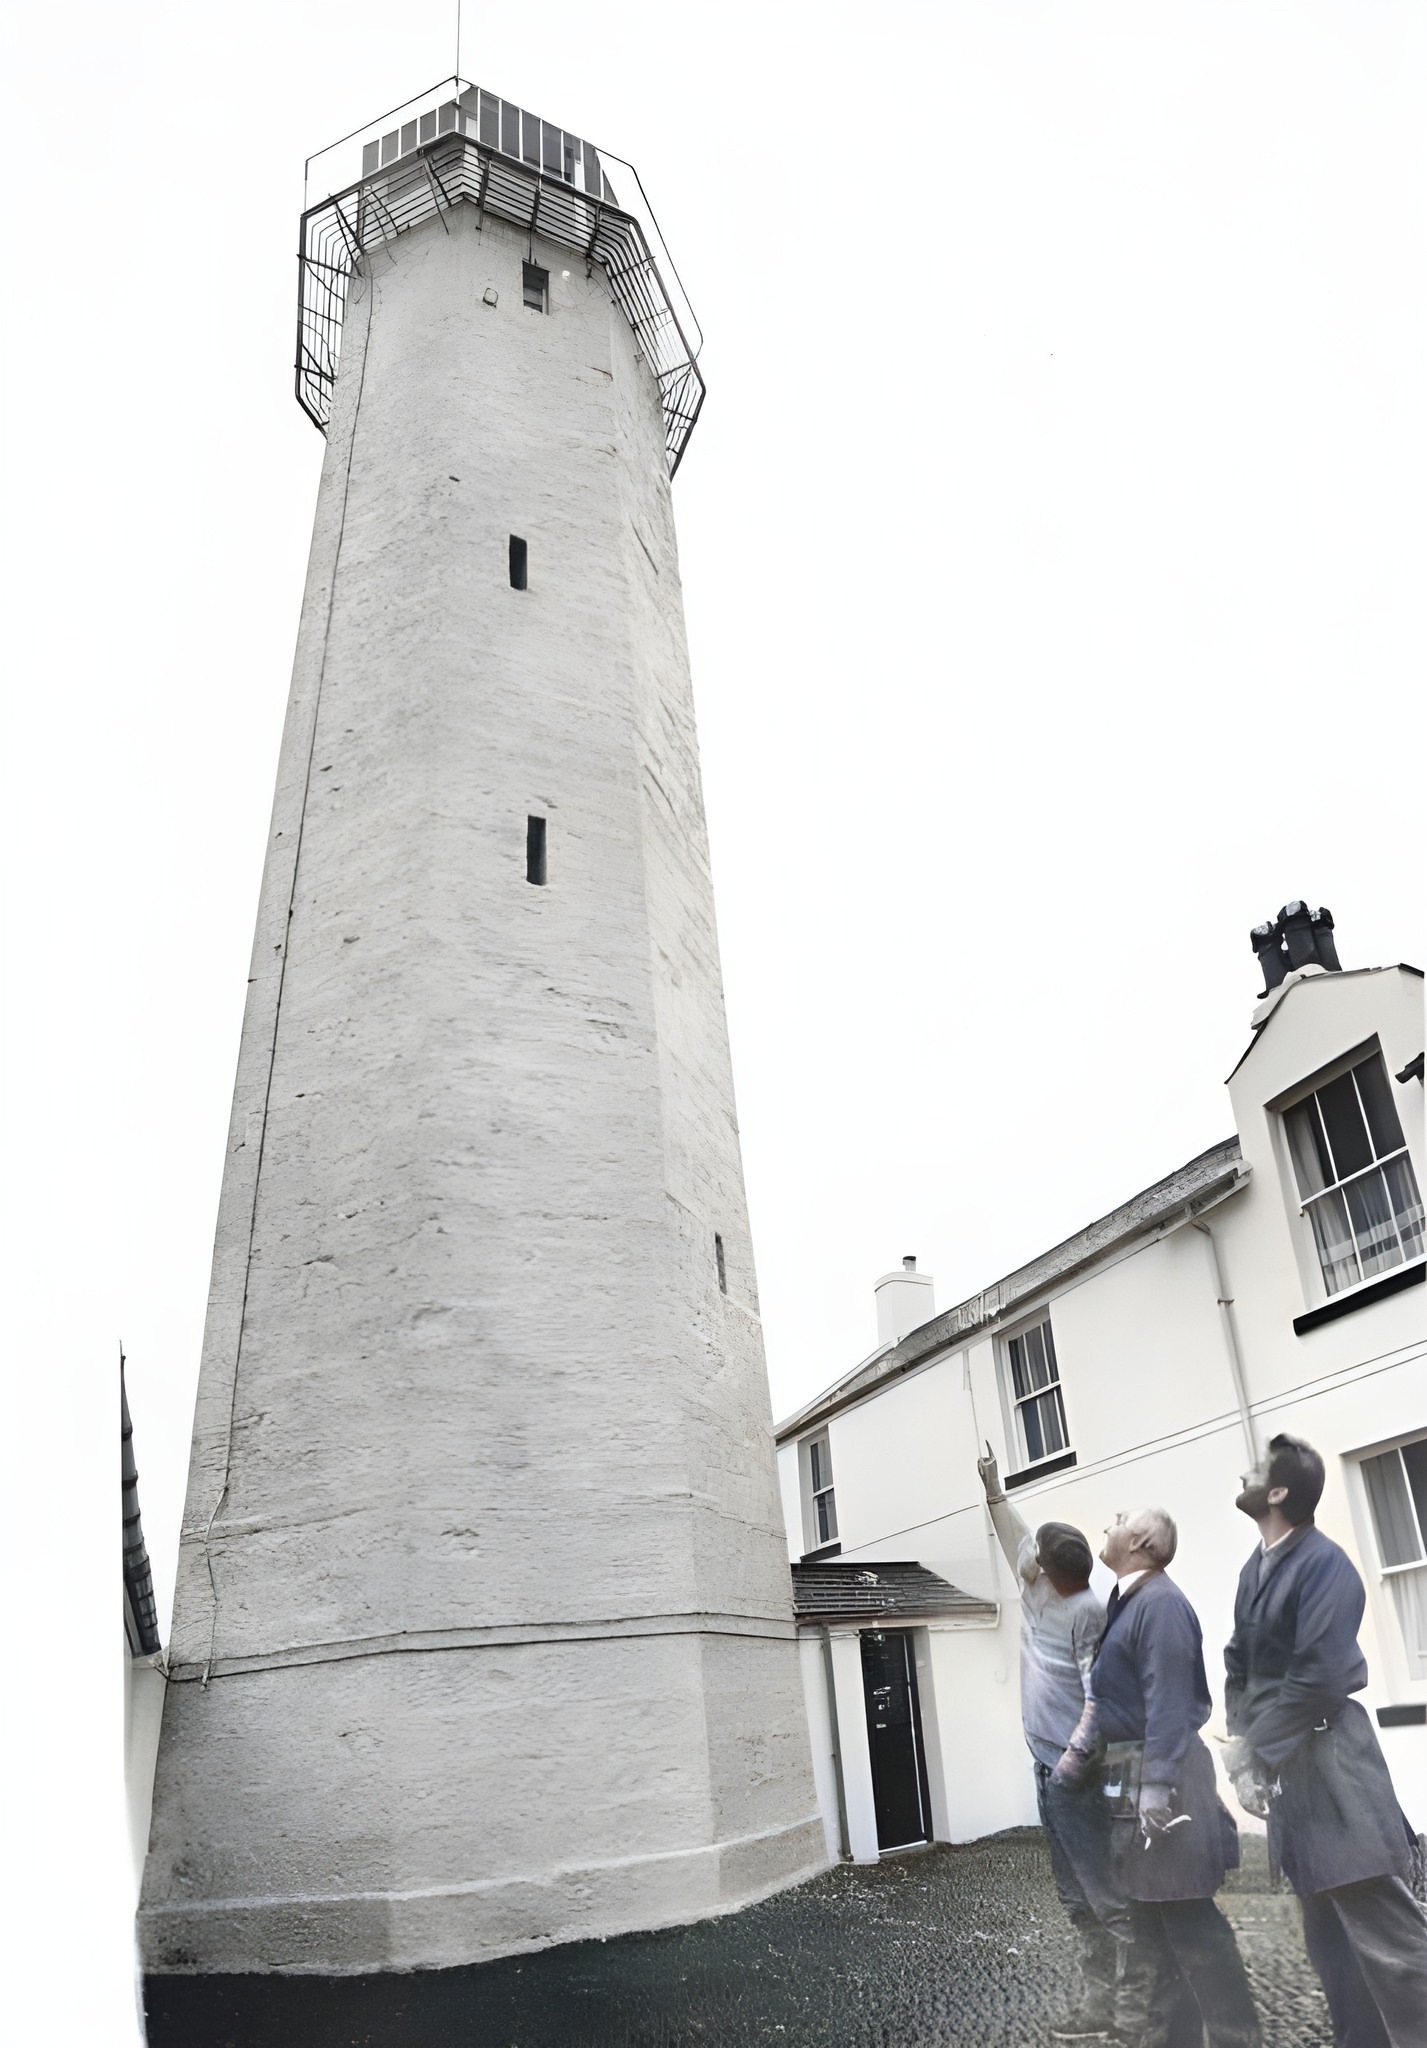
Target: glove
1156,1808
1250,1787
1252,1794
989,1475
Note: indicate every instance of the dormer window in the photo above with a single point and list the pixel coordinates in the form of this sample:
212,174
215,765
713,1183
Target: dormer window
1355,1178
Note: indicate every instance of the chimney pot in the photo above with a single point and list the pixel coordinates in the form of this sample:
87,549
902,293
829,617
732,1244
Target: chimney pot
1297,928
909,1263
1323,941
1267,942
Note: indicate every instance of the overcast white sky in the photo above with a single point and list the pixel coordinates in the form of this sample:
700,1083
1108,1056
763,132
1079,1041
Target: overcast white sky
1052,542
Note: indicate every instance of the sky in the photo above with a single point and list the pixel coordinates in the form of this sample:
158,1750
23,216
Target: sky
1051,542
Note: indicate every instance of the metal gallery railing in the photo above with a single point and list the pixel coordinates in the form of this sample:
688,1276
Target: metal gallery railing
429,182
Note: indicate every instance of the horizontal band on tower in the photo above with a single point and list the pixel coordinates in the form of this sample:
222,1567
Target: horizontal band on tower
507,1636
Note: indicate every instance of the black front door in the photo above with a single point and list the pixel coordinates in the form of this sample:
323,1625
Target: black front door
894,1735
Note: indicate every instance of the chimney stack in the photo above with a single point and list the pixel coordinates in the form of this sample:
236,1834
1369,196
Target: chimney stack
1298,938
905,1300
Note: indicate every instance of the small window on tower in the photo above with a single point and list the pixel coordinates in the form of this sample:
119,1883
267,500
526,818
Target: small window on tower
535,851
536,283
721,1263
519,562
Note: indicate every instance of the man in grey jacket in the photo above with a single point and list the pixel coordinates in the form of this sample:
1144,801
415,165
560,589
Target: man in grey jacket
1061,1625
1305,1755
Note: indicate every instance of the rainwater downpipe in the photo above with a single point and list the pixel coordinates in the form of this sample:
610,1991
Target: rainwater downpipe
844,1846
1231,1337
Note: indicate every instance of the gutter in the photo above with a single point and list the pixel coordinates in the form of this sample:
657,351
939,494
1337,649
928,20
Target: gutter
1231,1339
956,1327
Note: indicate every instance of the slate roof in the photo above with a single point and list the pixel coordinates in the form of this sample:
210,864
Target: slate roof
1197,1185
846,1590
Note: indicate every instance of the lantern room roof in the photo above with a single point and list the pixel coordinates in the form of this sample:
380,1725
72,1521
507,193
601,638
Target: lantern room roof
462,145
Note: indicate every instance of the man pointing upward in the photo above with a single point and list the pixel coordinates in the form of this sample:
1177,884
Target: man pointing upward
1061,1625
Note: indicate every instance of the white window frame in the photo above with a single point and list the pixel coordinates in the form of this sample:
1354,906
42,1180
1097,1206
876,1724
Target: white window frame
1015,1404
811,1468
1412,1629
1312,1257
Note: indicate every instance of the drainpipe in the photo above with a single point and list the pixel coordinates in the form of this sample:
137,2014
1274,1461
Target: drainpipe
1231,1338
844,1846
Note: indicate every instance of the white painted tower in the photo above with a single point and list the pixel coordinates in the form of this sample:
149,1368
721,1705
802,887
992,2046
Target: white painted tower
483,1634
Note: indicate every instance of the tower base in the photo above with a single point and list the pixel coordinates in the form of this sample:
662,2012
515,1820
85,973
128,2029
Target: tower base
505,1797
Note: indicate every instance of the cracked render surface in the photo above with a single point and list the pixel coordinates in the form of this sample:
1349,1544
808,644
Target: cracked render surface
952,1948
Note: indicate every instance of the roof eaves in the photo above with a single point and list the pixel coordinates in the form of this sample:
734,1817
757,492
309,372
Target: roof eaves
1203,1179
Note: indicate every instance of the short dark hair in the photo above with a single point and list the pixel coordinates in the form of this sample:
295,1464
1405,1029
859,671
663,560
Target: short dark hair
1297,1466
1064,1549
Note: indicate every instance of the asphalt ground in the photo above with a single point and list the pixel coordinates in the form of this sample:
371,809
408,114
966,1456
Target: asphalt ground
961,1947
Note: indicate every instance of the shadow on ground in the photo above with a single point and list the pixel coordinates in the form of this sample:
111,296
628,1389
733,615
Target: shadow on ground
951,1948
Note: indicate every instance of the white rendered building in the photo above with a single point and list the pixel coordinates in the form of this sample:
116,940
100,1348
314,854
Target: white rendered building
483,1636
1270,1284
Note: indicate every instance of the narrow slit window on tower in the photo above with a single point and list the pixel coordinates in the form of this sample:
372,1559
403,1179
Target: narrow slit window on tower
519,562
721,1263
535,851
536,286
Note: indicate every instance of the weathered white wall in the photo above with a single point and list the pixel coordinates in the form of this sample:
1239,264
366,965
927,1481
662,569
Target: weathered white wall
495,1601
855,1747
818,1702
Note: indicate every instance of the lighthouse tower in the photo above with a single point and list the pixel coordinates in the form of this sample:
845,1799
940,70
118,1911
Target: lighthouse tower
482,1637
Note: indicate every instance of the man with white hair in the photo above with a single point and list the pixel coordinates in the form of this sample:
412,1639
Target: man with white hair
1174,1838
